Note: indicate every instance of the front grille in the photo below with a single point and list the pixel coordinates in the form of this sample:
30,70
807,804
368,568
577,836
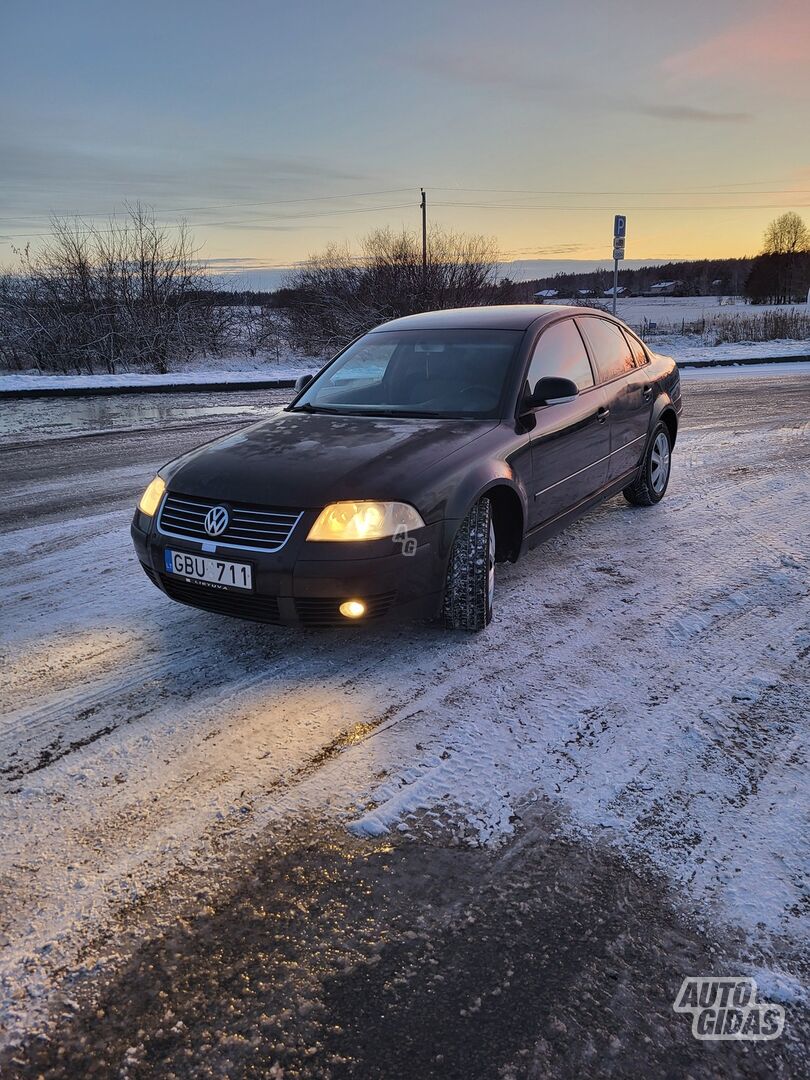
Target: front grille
251,528
222,601
324,611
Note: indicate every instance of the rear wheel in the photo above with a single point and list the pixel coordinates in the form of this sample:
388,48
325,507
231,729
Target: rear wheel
650,485
470,585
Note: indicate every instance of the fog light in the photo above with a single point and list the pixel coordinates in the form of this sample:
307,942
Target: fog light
353,609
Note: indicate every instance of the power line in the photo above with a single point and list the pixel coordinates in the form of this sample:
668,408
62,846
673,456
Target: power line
233,202
605,209
219,224
684,192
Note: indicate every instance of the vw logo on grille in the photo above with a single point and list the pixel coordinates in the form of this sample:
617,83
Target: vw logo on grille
216,520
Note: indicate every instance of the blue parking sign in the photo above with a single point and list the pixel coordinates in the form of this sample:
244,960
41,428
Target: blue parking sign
619,225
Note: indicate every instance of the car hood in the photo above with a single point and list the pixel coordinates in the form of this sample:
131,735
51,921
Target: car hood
305,460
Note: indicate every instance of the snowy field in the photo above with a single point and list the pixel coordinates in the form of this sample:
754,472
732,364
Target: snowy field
677,309
645,680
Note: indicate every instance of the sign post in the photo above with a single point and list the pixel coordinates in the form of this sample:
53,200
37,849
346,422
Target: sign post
619,233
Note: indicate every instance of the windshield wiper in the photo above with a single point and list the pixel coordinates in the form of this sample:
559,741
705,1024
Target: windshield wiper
306,407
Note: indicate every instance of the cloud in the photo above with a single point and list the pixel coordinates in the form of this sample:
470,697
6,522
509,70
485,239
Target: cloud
486,68
689,112
772,46
45,173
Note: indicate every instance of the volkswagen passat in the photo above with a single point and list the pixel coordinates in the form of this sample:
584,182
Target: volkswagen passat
425,453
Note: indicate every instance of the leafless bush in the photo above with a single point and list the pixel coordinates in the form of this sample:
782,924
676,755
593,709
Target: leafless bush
258,329
769,326
787,324
102,299
336,296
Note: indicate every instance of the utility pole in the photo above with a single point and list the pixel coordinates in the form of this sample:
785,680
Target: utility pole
424,237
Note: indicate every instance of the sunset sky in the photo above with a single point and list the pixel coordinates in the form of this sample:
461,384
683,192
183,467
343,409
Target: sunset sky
275,128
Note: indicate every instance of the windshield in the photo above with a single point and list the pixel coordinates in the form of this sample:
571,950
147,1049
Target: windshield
452,373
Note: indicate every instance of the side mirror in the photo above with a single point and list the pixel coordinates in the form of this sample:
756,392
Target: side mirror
302,381
550,389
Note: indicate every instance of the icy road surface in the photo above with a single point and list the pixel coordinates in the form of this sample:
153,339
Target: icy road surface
644,687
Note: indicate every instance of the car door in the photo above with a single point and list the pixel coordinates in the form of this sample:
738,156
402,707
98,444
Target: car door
627,388
570,438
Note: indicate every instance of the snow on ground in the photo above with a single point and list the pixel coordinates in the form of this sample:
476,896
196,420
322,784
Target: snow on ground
683,347
667,311
645,678
172,380
770,370
677,309
688,349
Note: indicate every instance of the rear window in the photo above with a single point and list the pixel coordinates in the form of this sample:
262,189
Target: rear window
637,349
609,346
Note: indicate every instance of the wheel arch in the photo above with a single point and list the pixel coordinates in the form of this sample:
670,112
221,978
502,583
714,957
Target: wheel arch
669,417
508,520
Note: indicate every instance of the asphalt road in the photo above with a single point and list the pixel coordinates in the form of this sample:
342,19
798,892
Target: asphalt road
229,850
67,458
71,457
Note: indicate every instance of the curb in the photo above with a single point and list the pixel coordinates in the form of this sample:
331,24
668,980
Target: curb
744,361
149,388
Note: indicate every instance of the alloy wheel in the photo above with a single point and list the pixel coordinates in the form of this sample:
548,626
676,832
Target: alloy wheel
659,463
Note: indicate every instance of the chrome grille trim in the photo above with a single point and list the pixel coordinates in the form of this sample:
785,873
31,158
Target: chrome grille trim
249,528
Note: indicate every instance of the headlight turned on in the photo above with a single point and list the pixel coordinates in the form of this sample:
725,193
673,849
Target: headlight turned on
364,521
150,500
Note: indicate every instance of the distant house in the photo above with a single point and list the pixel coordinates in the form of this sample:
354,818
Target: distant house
621,290
665,288
546,294
585,293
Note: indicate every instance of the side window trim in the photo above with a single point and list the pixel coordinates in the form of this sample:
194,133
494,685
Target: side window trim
591,359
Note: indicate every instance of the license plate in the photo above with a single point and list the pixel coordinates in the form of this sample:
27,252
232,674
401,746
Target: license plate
213,572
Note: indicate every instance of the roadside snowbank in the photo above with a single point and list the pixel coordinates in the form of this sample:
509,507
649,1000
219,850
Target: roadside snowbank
687,348
679,346
170,381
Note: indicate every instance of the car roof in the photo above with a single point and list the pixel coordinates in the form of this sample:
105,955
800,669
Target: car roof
497,317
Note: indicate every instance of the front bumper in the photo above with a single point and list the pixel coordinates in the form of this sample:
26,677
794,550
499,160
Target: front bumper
304,583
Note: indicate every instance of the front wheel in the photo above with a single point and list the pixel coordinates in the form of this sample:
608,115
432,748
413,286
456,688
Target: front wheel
651,483
470,585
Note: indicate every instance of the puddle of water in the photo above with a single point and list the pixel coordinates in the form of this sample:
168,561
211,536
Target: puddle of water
44,417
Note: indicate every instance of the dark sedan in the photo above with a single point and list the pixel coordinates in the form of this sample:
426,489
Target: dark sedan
422,455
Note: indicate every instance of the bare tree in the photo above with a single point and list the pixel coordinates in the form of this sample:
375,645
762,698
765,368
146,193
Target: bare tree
130,294
337,296
786,235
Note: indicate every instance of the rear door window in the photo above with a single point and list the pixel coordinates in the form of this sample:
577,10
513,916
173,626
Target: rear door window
560,353
609,346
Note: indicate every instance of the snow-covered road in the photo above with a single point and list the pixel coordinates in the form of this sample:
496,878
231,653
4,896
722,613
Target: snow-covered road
646,679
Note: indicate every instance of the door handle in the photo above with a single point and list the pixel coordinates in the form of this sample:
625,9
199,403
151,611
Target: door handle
602,414
647,392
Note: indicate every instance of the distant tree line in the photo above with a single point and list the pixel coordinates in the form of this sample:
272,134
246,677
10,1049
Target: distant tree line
699,277
779,275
